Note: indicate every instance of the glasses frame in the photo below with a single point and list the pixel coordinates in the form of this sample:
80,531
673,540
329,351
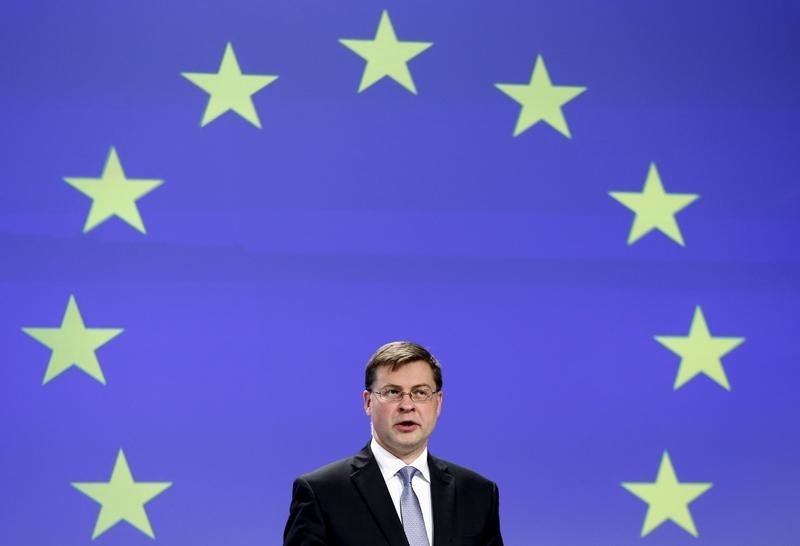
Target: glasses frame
403,394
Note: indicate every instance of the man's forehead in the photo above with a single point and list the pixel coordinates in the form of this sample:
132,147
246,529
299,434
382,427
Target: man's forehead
413,373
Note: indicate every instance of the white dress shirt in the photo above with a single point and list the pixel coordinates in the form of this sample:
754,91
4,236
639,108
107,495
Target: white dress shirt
421,483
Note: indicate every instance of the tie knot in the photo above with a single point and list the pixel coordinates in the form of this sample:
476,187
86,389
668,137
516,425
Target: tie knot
406,473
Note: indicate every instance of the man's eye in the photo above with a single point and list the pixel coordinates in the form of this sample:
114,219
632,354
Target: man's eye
391,392
422,393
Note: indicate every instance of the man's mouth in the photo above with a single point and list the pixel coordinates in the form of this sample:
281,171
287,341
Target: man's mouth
406,426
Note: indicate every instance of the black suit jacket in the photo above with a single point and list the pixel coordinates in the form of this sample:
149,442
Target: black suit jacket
347,503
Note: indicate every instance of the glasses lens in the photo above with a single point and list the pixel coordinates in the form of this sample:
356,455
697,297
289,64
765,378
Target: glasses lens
421,394
391,395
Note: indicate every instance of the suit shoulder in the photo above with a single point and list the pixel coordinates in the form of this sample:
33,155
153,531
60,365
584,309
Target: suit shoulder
461,473
330,472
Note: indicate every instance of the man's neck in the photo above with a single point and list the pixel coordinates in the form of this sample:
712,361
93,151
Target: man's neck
407,458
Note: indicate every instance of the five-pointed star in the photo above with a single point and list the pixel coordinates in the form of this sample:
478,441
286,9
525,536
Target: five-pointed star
229,89
113,195
540,100
654,208
73,344
667,498
386,55
700,352
121,498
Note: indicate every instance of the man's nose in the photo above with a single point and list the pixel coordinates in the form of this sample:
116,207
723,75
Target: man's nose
406,404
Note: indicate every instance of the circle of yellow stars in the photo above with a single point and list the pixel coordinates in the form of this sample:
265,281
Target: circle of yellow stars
229,89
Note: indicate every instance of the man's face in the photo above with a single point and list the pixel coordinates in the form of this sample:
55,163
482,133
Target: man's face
403,428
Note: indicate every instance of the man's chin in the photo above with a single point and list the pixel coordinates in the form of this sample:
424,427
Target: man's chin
407,444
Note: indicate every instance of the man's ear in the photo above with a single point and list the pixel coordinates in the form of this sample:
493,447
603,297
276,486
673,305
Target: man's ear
367,403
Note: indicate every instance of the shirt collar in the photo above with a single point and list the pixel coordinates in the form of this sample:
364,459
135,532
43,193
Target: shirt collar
391,465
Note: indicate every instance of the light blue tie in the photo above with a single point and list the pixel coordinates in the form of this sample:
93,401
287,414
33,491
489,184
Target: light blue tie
410,512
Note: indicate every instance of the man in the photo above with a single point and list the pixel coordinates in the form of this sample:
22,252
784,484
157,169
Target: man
393,492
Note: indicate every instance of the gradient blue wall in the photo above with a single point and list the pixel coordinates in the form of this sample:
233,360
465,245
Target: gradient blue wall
276,260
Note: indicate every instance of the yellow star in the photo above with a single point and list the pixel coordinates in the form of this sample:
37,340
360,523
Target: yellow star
540,100
699,352
667,498
229,89
121,498
113,195
73,344
386,55
654,208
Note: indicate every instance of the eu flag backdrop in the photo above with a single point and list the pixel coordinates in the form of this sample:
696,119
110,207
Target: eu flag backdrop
213,213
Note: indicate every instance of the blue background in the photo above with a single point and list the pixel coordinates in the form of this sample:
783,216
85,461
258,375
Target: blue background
277,260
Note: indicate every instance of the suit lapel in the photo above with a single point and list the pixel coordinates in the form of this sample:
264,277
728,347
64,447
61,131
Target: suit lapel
443,500
368,480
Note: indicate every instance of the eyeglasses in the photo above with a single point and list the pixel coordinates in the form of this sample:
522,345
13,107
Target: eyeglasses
393,394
